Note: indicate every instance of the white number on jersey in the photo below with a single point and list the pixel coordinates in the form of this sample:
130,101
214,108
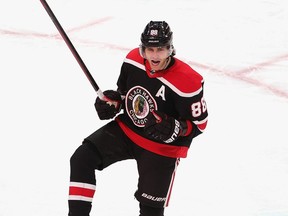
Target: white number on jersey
198,108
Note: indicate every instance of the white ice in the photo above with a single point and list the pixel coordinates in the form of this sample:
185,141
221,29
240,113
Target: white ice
238,167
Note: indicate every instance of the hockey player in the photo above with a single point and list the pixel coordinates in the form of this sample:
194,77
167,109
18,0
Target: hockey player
158,108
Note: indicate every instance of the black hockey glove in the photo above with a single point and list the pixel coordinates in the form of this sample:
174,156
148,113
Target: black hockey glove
108,108
162,128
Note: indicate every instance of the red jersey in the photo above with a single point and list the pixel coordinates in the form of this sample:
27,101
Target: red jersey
176,91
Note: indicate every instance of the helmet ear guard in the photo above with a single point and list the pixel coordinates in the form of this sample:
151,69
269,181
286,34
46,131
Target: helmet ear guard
172,50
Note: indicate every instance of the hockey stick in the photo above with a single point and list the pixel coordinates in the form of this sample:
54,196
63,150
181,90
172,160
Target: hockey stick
72,49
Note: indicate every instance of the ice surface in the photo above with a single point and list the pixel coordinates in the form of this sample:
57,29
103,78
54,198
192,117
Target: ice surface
238,167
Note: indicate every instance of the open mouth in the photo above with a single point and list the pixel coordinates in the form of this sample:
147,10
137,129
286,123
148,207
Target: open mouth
155,63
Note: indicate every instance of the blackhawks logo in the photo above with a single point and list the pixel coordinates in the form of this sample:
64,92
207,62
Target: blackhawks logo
138,104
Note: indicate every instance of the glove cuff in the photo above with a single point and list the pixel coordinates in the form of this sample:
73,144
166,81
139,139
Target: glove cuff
186,127
182,128
176,133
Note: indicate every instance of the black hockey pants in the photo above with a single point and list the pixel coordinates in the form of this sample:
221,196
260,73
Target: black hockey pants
106,146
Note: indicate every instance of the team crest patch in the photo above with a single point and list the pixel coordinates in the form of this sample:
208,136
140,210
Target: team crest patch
138,104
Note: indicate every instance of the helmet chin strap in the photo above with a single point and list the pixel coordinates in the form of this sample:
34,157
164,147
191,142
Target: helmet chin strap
167,62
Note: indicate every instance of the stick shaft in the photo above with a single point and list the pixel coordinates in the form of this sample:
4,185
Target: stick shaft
72,48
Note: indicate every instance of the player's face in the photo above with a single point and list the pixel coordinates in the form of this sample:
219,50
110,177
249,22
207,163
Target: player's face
157,57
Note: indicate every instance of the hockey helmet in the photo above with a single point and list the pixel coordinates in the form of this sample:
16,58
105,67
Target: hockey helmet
157,34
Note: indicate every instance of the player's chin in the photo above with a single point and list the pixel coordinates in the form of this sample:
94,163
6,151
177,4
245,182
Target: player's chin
155,68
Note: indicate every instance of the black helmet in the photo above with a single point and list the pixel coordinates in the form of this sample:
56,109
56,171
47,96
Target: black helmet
156,34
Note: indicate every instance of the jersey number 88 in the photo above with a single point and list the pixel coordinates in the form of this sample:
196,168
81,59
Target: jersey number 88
198,108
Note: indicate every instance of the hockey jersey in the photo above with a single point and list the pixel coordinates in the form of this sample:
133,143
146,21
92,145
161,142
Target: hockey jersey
176,91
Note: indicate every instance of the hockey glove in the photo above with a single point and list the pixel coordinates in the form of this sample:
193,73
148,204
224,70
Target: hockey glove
162,128
108,108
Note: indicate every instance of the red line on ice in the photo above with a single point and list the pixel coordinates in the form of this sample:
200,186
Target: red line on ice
238,75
